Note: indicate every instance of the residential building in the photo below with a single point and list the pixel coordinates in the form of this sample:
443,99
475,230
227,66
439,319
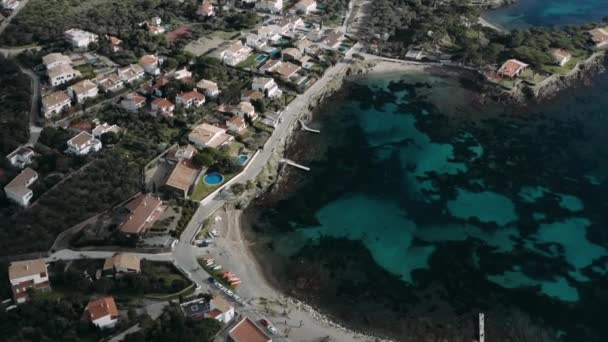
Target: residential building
235,53
244,109
121,263
251,95
79,38
236,124
270,66
83,90
306,62
256,42
102,312
154,26
206,135
61,74
182,75
220,310
21,157
247,331
155,87
104,128
267,86
270,34
18,189
315,35
196,308
291,54
210,89
290,23
303,45
28,275
144,211
10,5
55,59
131,73
133,102
55,103
560,56
163,106
177,153
110,82
287,70
512,68
306,6
115,43
599,36
191,98
83,143
274,6
333,39
205,9
151,64
182,177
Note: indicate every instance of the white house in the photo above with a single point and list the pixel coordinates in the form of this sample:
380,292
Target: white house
205,9
83,143
102,312
271,33
26,275
131,73
209,88
104,128
55,59
21,157
287,70
256,42
61,74
18,189
121,263
235,53
220,310
55,103
274,6
267,86
151,64
244,109
206,135
163,106
110,82
191,98
182,75
306,6
133,102
83,90
79,38
236,124
560,56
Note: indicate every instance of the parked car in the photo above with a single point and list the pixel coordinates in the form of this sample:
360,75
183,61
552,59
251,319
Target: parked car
265,323
272,330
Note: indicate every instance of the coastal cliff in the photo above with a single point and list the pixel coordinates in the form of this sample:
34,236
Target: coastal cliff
491,4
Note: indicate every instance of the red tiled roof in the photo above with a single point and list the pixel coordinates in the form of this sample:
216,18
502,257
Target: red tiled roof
512,67
100,307
247,331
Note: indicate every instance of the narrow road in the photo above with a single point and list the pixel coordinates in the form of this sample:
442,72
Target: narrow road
7,21
35,106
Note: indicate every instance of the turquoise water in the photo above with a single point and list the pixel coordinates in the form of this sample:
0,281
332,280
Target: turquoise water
526,13
243,159
213,178
261,58
506,203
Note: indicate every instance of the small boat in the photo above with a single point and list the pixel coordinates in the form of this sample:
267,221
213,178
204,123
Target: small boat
217,267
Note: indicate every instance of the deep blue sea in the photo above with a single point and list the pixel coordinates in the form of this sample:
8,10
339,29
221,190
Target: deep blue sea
425,207
526,13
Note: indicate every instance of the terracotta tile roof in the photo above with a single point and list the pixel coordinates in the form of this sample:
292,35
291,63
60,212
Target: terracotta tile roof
83,86
100,307
148,59
219,303
512,67
182,177
206,84
55,98
191,95
287,69
143,210
162,103
252,94
247,331
18,269
599,35
135,98
129,261
237,120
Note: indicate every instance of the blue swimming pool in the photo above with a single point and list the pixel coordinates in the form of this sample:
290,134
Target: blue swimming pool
274,51
243,159
261,58
213,178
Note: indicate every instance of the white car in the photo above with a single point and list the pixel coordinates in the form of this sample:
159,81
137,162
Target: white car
272,330
198,242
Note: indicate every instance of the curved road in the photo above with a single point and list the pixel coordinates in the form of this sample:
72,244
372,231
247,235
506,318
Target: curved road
7,21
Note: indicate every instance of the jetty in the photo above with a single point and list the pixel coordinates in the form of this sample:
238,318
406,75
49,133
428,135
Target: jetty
306,128
294,164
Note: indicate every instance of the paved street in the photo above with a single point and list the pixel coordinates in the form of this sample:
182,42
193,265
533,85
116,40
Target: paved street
7,21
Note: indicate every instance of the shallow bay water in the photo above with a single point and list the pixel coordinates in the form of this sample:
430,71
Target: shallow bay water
425,207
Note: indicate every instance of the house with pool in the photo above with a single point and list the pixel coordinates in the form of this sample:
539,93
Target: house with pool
206,135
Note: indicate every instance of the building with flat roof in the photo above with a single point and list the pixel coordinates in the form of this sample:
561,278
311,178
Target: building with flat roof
80,38
18,189
21,157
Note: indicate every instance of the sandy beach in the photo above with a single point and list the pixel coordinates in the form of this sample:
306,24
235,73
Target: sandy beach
294,319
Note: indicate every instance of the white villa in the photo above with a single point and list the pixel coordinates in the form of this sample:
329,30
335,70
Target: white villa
206,135
18,189
306,6
79,38
209,88
151,64
83,90
26,275
61,74
55,59
104,128
21,157
83,143
267,86
235,53
102,312
274,6
191,98
256,42
133,102
55,103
